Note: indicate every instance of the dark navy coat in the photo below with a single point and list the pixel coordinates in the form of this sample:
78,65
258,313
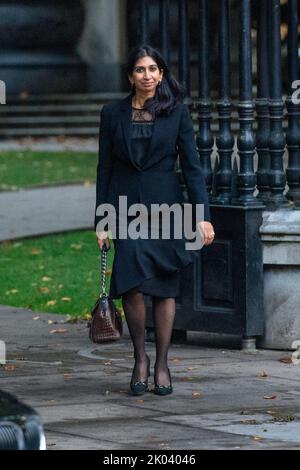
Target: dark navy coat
154,182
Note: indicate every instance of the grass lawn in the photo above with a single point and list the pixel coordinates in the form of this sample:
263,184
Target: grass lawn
21,169
56,273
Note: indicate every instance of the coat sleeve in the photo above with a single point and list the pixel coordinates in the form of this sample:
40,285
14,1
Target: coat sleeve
105,161
190,163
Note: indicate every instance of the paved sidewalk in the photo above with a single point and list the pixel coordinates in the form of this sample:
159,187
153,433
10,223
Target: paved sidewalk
40,211
223,398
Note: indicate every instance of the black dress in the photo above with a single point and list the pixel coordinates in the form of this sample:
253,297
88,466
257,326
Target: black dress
155,275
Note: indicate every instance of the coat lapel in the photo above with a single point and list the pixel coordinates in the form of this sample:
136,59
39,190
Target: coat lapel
126,121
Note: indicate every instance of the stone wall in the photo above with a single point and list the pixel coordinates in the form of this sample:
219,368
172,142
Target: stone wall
280,233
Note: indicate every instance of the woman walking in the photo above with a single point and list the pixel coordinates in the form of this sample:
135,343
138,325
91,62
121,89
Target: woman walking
140,139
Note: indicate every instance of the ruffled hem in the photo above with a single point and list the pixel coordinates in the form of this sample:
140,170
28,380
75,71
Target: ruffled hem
139,261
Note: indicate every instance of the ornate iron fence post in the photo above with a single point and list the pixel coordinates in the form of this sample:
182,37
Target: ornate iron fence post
262,104
277,176
184,49
143,24
205,139
293,108
246,141
164,8
225,140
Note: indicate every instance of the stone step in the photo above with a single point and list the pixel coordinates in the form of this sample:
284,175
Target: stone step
49,120
65,98
73,114
67,114
47,131
50,108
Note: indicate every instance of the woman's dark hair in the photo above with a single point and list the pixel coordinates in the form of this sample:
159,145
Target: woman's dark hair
169,93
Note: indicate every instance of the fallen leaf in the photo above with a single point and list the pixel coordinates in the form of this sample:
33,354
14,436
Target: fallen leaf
107,363
59,330
262,374
50,322
60,286
10,368
196,394
270,397
11,291
66,299
284,419
44,290
258,438
36,251
76,246
68,376
36,318
285,359
46,278
51,302
271,412
140,401
72,319
87,316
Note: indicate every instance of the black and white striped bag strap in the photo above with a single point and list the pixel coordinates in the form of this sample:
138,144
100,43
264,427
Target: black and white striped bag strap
103,270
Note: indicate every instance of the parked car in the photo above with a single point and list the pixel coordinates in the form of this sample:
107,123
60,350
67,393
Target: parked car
20,425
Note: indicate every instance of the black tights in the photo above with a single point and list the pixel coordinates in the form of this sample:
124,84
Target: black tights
163,319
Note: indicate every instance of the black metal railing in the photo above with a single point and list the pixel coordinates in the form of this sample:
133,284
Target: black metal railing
270,142
256,166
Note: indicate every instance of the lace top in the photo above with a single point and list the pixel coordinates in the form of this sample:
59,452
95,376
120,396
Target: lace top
142,126
141,115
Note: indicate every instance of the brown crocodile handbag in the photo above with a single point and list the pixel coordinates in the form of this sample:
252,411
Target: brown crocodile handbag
106,323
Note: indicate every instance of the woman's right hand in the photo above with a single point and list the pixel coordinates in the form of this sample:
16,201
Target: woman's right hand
103,238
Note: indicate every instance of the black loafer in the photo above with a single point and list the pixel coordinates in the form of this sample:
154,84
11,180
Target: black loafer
163,389
140,387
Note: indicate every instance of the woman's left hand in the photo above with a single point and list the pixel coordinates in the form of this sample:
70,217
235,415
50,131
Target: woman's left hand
206,231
